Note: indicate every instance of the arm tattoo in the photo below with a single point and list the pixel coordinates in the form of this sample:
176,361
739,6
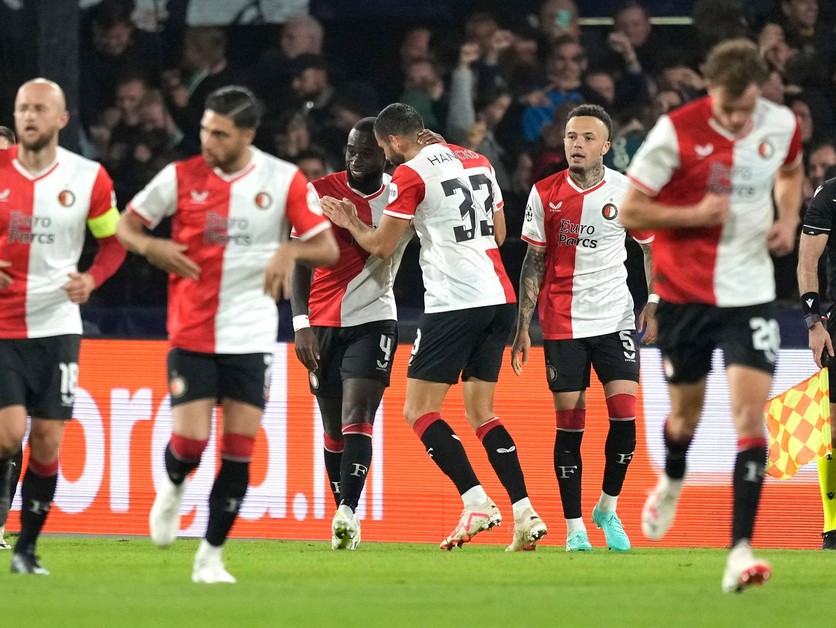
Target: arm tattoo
648,266
531,279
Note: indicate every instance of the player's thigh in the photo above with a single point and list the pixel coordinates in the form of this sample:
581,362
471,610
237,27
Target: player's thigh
245,378
568,364
748,392
686,339
326,381
486,357
241,417
423,397
369,352
53,377
615,357
750,337
444,342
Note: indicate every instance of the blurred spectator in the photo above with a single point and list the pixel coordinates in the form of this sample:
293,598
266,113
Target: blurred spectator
492,43
821,157
677,75
774,88
548,155
521,63
803,111
804,30
565,67
273,72
558,18
774,47
424,90
633,22
111,47
119,125
312,163
203,69
473,124
293,136
603,83
716,21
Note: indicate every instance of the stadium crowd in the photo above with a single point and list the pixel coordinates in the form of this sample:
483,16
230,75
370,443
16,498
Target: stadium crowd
497,84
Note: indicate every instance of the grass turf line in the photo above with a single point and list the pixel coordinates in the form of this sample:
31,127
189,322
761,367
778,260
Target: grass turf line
128,582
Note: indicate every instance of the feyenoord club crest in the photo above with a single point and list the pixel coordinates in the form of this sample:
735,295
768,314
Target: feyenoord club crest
177,385
609,211
66,198
314,380
551,373
765,149
263,200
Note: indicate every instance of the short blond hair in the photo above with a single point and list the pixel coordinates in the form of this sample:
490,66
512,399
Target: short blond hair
735,64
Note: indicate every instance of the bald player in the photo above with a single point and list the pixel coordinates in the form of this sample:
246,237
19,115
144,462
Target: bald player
50,194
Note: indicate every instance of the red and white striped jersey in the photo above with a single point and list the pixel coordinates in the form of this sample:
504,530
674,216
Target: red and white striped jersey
688,154
358,288
584,289
43,220
450,203
232,225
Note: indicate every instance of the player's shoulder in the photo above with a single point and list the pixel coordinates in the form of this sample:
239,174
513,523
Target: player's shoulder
826,192
552,181
774,114
614,179
80,164
331,183
469,158
190,165
695,112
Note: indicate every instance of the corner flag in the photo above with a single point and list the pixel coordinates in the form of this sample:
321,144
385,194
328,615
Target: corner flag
799,426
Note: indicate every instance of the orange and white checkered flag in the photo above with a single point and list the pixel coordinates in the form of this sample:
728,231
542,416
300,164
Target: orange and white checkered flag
799,426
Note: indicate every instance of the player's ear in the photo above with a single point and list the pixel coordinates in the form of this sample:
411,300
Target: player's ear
605,148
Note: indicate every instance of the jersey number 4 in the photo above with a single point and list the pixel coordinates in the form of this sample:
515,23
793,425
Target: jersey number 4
468,206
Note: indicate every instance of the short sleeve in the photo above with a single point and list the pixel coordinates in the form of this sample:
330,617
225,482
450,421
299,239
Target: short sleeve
102,216
642,237
534,228
657,158
311,189
406,191
818,219
794,150
158,199
303,210
498,201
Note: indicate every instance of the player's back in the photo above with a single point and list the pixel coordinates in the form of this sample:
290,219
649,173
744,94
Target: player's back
459,258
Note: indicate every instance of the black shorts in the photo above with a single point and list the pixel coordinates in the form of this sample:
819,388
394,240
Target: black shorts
40,374
689,333
614,356
470,343
219,376
362,352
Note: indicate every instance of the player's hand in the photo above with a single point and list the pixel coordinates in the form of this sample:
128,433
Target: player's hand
341,213
79,287
427,137
5,278
781,237
647,324
170,256
278,276
712,210
307,348
519,351
819,341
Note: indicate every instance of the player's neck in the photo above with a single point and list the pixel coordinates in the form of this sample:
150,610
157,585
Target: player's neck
588,178
35,161
365,187
241,162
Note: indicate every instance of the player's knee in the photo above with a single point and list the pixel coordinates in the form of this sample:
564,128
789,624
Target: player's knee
237,447
574,419
621,406
11,440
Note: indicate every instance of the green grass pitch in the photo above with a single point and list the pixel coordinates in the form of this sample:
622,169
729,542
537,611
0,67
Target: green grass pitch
128,582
